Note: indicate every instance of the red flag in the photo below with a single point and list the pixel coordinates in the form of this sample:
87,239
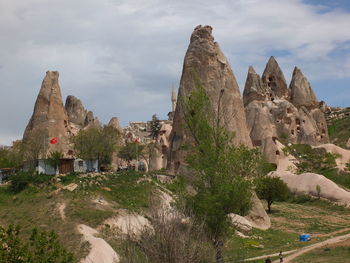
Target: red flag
136,140
53,140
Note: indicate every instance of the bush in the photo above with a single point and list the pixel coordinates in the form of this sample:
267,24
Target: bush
41,247
271,189
19,181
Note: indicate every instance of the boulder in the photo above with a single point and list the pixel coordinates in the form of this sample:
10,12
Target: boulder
205,62
257,216
240,223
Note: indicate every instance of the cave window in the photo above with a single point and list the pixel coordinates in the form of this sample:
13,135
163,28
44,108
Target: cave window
303,121
292,132
70,152
298,129
177,165
289,110
277,152
272,99
323,131
297,121
270,78
256,142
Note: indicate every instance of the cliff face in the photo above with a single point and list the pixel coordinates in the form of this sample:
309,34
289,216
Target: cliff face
205,61
274,111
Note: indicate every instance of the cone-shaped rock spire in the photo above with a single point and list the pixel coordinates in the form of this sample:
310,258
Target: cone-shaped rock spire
205,61
49,117
301,91
254,88
273,77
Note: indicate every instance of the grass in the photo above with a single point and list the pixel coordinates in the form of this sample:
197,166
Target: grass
326,255
339,131
37,205
289,220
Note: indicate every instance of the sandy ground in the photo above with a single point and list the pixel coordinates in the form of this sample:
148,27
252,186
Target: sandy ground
61,207
128,223
101,251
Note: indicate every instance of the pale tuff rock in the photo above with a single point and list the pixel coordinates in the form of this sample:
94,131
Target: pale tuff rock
50,117
273,77
307,183
114,122
271,113
342,155
301,91
161,148
205,61
254,88
78,116
75,110
261,129
257,216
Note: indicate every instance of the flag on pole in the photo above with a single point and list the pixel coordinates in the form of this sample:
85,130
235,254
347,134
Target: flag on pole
54,140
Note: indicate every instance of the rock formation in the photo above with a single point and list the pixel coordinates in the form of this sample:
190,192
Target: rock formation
78,115
114,122
274,79
75,110
205,62
49,117
275,112
301,91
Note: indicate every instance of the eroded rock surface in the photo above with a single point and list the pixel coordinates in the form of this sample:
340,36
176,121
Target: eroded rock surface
205,62
275,112
50,117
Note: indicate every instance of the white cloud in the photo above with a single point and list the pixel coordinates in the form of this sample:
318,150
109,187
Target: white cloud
121,57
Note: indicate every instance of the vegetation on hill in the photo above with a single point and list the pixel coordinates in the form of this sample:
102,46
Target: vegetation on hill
339,128
318,160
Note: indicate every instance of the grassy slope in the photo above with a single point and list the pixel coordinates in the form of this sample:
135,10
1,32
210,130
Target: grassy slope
288,221
38,206
329,254
339,131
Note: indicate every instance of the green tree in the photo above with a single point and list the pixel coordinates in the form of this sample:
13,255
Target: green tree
131,151
41,247
271,189
221,172
34,146
54,160
155,127
96,143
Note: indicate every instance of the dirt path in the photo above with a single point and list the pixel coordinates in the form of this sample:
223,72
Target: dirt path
314,246
297,252
101,251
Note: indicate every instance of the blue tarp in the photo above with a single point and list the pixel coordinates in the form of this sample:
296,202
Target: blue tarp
304,237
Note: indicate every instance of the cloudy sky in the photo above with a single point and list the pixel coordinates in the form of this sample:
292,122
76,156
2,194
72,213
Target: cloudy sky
122,57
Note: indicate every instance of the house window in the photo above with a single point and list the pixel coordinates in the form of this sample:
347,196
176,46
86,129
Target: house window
80,163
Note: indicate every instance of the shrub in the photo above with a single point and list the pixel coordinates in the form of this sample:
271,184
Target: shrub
271,189
41,247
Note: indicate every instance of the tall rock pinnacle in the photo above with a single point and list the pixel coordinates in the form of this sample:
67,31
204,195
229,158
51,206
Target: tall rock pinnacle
205,61
254,88
301,91
49,116
273,77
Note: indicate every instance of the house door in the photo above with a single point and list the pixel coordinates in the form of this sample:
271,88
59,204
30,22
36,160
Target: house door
66,166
